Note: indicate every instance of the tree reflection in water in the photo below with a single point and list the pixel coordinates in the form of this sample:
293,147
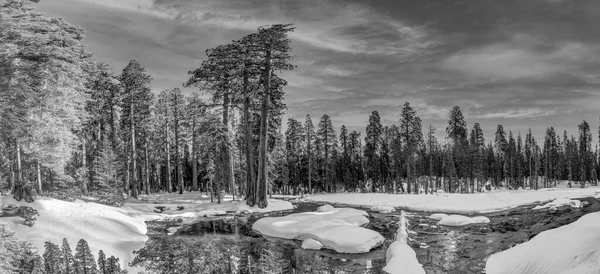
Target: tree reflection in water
218,254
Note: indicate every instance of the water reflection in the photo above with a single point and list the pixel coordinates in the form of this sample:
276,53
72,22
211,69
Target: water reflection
227,244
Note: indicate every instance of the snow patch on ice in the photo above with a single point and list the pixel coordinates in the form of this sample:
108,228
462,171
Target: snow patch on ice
345,238
460,220
382,209
438,216
571,249
335,228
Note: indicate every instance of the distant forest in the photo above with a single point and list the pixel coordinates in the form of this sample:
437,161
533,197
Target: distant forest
69,123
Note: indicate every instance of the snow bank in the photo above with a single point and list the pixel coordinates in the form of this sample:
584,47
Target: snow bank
383,209
455,203
399,257
335,228
570,249
116,231
193,211
460,220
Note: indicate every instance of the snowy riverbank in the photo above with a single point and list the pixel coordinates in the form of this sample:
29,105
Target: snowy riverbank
455,203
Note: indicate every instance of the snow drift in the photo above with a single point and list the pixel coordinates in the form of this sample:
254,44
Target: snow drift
571,249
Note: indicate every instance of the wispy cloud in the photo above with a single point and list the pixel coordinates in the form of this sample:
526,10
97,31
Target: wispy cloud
522,57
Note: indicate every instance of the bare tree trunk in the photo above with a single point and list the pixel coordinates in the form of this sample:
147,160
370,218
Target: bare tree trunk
228,153
177,155
262,157
134,186
84,186
167,148
408,182
225,151
157,179
147,168
12,178
308,151
20,190
194,159
127,183
39,176
251,182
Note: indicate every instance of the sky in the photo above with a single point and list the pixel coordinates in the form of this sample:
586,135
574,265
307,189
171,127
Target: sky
523,64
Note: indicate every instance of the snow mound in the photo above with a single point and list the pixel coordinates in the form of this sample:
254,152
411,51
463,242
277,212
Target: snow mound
325,208
400,258
345,238
336,228
575,204
312,244
383,209
460,220
569,249
558,202
438,216
116,231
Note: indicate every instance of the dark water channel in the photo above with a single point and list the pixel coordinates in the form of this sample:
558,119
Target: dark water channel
440,249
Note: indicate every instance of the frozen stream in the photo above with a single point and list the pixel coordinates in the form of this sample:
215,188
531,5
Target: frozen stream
440,249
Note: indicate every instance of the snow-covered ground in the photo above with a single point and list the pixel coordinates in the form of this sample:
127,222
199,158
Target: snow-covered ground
456,203
334,228
116,231
570,249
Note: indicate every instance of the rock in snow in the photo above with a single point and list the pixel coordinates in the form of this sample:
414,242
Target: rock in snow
382,209
438,216
459,220
570,249
335,228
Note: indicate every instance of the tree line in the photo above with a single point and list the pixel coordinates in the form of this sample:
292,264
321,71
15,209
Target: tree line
403,154
68,121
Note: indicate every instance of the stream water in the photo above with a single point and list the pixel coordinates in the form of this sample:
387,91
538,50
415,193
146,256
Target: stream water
440,249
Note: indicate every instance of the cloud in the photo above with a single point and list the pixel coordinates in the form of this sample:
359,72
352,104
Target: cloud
516,114
523,57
